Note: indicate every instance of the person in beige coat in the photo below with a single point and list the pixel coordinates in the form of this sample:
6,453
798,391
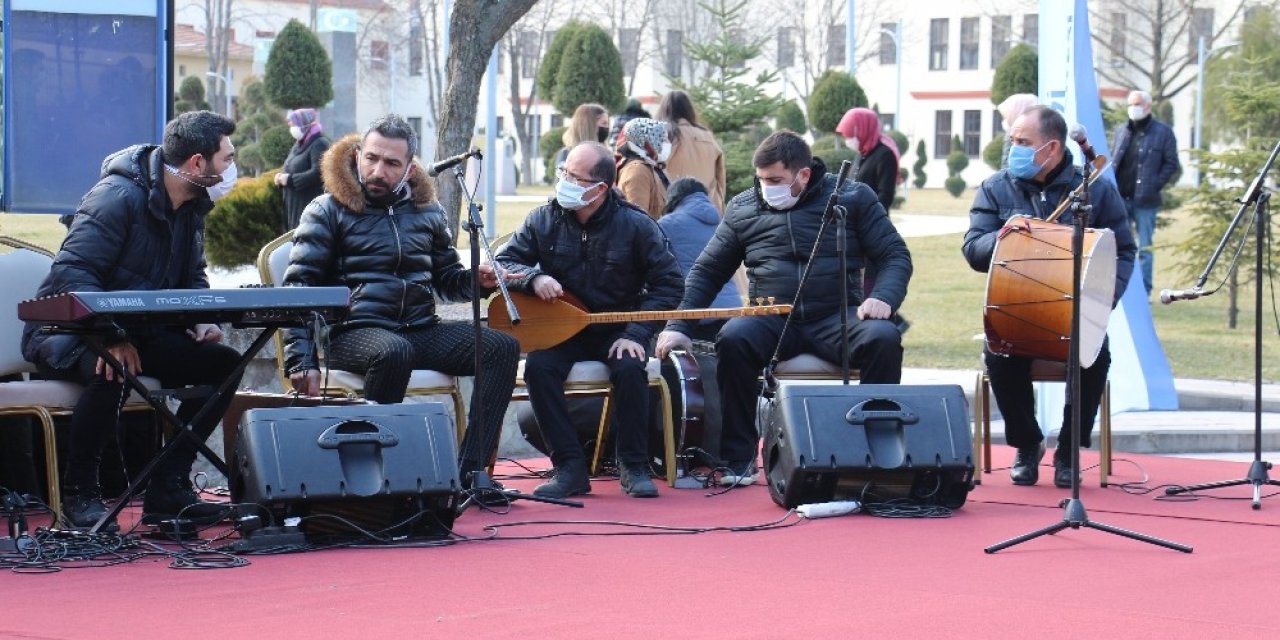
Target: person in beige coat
640,178
695,152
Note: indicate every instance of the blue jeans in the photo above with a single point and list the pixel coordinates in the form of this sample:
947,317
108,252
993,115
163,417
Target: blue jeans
1144,218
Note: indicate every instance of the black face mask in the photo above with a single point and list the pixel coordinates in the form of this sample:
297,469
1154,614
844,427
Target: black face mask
602,134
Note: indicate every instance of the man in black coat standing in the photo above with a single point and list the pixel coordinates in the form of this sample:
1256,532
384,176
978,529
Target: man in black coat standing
141,228
772,229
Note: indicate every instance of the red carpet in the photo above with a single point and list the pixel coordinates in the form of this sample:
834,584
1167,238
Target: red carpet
854,576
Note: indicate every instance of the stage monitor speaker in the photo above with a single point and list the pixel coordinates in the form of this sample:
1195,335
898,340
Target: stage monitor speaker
872,443
388,469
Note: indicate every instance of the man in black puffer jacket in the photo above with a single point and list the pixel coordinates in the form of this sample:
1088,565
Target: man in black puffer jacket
593,244
380,232
772,229
141,228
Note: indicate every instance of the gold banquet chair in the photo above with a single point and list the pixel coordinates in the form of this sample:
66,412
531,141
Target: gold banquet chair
1041,371
273,259
590,378
24,267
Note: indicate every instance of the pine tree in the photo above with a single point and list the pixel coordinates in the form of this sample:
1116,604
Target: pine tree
550,66
833,95
922,158
299,73
190,96
727,101
590,71
957,161
791,117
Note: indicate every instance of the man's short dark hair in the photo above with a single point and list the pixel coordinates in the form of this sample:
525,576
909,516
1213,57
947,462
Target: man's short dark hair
1052,125
393,126
195,132
603,169
783,146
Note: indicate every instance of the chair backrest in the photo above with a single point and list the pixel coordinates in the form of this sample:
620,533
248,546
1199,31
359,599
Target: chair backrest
273,259
24,268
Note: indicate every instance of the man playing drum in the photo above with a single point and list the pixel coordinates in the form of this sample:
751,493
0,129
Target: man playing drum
1039,177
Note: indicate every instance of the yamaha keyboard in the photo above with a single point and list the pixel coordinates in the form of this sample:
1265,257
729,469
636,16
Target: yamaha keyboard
178,307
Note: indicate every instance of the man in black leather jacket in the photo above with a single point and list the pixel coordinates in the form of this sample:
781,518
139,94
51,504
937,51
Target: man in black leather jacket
1038,176
612,256
772,229
141,228
380,232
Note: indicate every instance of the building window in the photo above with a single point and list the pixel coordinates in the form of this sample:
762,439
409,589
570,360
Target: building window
182,70
1001,35
941,134
1117,38
786,47
675,52
886,121
1031,30
835,45
379,54
972,133
968,43
888,48
499,125
416,43
629,47
1201,26
527,40
938,44
997,123
557,120
416,123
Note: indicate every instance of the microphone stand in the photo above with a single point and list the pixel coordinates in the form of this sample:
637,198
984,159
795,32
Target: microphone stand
1261,201
1074,514
479,480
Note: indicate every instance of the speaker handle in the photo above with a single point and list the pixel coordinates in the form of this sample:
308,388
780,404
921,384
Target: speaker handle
859,414
340,434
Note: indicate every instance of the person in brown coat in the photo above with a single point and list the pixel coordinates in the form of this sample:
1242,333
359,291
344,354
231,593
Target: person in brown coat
640,177
694,152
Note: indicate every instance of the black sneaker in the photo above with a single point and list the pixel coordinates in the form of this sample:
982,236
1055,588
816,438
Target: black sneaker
636,482
171,498
1026,465
83,510
570,480
738,474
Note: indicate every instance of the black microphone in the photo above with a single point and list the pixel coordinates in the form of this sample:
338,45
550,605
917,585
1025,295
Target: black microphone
1173,295
845,168
1078,134
448,163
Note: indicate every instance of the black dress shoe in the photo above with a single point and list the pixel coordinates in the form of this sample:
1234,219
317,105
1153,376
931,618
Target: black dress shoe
1063,474
1026,465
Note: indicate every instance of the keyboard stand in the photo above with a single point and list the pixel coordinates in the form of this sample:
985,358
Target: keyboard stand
180,431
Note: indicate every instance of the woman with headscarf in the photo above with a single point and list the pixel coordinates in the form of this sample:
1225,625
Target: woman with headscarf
879,166
1010,109
299,178
694,150
590,123
640,176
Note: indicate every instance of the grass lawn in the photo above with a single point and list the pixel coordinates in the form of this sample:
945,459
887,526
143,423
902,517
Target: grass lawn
945,300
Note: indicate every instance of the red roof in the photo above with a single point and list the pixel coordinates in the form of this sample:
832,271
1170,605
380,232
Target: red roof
191,42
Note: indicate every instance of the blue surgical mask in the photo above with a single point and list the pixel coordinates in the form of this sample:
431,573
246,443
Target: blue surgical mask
1022,161
569,194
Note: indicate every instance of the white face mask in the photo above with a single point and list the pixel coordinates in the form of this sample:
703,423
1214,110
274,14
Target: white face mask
778,196
220,190
569,194
296,132
853,143
1137,112
665,153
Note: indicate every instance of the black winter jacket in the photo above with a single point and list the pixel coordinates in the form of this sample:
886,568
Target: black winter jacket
618,261
395,260
304,184
1157,150
1003,196
879,170
121,238
775,245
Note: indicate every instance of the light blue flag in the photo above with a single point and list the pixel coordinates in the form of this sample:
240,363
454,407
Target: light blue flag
1141,379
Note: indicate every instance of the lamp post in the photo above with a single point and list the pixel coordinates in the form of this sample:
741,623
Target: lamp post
226,90
896,34
1201,57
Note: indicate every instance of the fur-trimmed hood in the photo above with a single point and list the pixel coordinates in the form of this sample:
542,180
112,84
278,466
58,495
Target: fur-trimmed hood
338,170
